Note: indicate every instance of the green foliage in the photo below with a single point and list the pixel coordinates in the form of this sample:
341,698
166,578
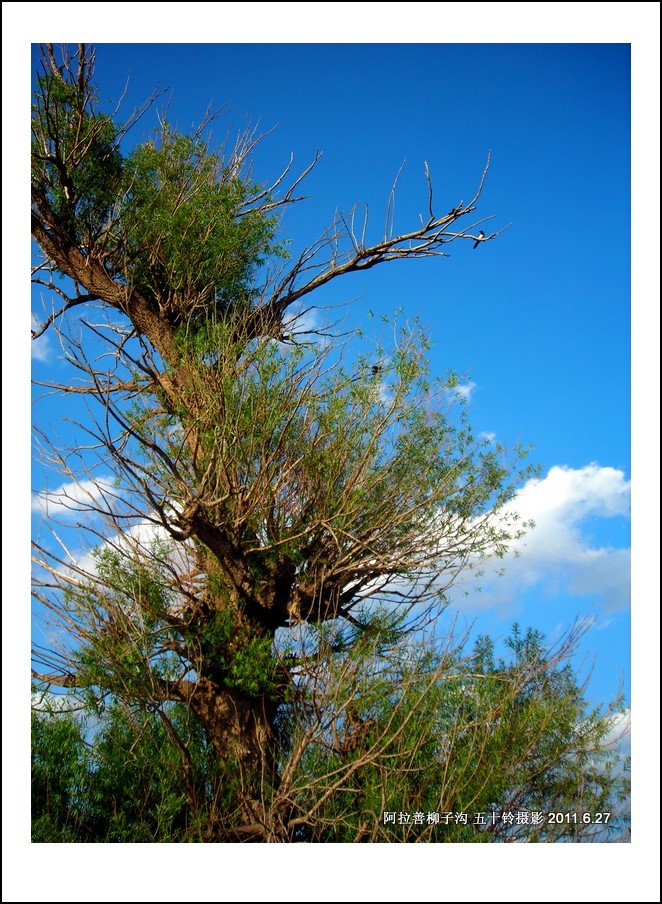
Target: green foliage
127,607
252,668
417,730
138,640
317,450
172,219
232,655
376,723
59,778
191,242
76,162
121,779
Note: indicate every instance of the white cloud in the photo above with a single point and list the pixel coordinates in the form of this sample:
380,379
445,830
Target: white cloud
464,390
138,539
569,494
461,391
40,349
48,702
558,554
619,733
73,497
301,321
137,543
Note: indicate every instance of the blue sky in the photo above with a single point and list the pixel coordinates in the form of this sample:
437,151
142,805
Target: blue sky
539,320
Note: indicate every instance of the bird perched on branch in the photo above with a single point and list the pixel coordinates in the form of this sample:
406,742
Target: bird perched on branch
481,236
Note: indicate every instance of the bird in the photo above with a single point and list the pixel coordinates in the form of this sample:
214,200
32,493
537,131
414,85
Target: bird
481,236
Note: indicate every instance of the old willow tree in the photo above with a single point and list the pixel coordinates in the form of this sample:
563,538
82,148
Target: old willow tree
252,634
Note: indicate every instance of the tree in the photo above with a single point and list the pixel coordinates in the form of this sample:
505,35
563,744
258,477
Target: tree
285,516
383,729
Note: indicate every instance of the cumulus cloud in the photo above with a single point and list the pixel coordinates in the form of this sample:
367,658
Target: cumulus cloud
72,498
559,553
568,495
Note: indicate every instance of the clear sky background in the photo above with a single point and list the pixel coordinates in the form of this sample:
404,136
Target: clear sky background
538,320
